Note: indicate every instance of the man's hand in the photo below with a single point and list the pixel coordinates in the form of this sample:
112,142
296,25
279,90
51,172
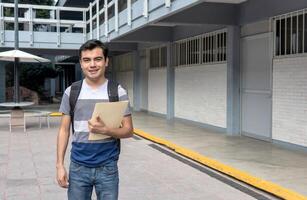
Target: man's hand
96,125
62,177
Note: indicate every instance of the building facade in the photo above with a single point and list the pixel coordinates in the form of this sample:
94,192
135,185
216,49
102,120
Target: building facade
237,66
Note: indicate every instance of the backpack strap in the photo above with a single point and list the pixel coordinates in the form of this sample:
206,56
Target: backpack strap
113,91
73,97
113,97
75,92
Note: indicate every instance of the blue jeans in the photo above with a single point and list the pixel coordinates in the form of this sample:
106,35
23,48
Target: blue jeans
82,180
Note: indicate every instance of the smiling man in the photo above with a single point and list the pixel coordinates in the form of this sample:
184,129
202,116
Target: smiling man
93,163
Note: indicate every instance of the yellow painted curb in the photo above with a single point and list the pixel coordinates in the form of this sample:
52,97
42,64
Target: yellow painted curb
55,114
240,175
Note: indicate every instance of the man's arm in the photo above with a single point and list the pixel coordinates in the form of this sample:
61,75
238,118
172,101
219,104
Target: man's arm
62,142
125,131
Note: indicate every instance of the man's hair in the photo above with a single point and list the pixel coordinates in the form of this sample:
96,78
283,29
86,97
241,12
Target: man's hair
92,44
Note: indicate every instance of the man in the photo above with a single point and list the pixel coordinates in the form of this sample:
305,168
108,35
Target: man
93,163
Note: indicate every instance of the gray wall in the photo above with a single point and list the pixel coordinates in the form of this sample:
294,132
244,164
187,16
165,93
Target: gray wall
182,32
257,10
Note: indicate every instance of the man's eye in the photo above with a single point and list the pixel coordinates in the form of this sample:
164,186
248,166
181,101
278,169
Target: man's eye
98,59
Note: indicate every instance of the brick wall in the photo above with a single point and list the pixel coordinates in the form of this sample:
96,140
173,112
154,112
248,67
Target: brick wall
290,100
201,94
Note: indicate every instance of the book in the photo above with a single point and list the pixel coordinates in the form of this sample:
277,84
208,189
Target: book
111,113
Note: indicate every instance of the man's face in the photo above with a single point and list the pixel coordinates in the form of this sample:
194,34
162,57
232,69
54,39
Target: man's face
93,63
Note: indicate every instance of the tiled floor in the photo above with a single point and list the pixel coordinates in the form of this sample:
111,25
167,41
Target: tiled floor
27,170
27,163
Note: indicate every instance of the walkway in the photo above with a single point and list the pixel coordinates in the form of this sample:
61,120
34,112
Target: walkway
265,160
27,171
149,171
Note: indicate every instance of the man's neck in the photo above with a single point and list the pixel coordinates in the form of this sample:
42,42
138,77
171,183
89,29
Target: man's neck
95,83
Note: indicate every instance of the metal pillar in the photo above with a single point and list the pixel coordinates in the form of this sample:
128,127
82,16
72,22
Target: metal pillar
16,61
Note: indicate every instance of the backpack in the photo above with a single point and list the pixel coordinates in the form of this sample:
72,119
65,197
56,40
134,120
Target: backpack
75,92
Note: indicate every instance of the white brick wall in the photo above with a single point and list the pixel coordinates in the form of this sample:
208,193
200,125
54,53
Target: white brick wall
201,94
290,100
157,90
126,80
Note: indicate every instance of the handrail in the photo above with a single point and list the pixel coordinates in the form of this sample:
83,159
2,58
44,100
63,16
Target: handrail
41,7
54,19
88,22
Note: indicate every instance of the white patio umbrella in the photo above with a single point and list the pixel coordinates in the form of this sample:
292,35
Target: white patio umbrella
19,56
23,56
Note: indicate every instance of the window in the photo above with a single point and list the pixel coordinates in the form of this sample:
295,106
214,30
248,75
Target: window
290,33
123,62
206,48
163,56
158,57
214,47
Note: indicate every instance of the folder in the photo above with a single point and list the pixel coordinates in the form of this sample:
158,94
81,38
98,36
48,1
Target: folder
111,113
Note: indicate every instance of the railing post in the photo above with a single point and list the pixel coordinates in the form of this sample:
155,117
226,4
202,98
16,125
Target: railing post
84,26
31,25
167,3
2,24
145,9
91,21
106,28
116,15
58,26
129,12
97,19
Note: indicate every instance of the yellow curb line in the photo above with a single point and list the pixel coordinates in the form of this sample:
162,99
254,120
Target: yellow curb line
55,114
226,169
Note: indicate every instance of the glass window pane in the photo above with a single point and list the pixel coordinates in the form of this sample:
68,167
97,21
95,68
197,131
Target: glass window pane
294,35
300,34
305,33
288,35
277,37
282,37
204,50
163,57
225,47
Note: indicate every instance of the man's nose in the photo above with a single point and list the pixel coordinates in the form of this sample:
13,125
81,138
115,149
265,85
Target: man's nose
93,63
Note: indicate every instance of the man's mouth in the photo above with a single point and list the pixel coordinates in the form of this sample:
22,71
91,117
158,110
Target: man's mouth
93,71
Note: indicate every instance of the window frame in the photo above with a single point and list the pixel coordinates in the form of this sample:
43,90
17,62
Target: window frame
208,48
290,43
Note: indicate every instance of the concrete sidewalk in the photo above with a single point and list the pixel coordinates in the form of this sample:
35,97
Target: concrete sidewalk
147,171
265,160
27,162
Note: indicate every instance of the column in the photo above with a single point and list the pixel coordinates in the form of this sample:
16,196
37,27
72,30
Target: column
170,81
136,81
233,80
